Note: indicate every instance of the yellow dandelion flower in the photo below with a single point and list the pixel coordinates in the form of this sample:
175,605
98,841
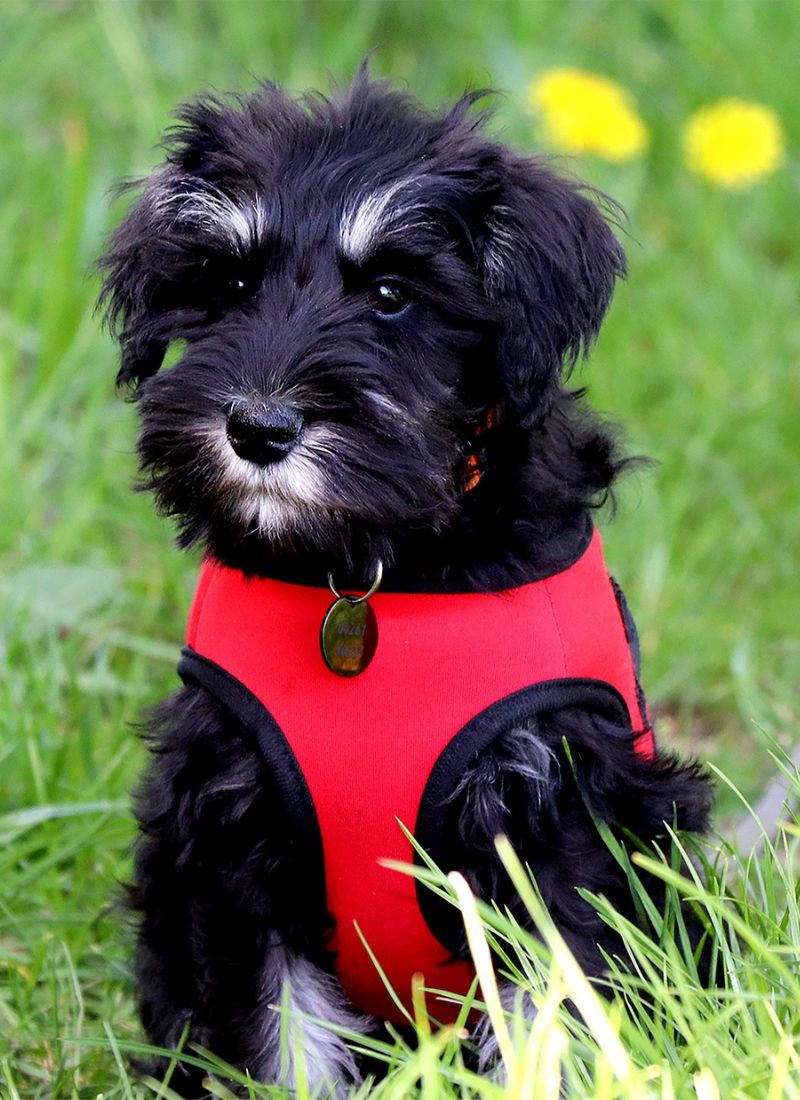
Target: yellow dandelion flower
734,143
585,113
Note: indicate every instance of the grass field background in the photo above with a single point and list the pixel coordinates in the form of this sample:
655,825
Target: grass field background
699,360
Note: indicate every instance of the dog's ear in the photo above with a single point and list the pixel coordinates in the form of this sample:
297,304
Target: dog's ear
147,247
128,294
549,261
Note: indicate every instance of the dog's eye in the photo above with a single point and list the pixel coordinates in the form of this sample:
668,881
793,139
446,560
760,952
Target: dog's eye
227,282
238,287
388,296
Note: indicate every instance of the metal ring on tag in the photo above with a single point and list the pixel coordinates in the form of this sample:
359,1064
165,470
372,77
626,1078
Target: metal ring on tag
359,599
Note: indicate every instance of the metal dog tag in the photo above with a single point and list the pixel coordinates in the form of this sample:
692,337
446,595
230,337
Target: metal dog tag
349,637
349,634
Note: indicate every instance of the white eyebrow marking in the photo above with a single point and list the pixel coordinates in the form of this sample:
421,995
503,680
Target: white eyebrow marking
360,223
240,223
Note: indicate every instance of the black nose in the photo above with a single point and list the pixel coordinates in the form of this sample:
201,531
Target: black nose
263,433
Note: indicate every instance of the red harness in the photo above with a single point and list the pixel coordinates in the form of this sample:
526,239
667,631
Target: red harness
355,756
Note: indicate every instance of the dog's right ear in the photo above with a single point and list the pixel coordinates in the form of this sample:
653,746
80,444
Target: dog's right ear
128,296
550,261
148,247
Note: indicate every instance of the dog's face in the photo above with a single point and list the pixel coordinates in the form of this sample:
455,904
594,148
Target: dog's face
354,283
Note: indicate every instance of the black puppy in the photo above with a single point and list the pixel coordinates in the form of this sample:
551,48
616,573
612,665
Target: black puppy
376,306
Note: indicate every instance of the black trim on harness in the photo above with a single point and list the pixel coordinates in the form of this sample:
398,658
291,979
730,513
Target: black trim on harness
472,739
632,635
195,669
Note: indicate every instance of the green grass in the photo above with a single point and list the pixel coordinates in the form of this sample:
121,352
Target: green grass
699,360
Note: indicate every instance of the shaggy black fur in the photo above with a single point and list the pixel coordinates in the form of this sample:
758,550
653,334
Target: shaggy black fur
383,276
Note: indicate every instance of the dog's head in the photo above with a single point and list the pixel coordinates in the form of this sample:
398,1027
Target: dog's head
355,286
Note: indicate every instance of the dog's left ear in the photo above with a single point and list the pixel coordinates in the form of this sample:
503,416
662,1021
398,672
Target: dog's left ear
549,261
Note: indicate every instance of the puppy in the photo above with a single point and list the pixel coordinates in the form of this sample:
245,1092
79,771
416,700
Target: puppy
403,614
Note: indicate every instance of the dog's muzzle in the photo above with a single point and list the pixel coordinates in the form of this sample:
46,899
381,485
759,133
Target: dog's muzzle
263,433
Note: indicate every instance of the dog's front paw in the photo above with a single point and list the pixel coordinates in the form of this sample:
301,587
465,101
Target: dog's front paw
298,1043
488,1060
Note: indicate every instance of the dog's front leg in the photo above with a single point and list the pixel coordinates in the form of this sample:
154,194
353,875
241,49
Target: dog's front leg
507,789
548,803
228,927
